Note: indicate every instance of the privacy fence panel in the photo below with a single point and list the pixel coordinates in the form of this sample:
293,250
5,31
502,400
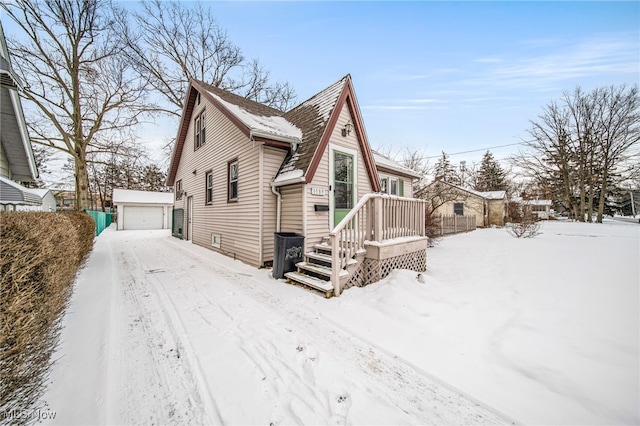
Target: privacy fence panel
102,220
453,224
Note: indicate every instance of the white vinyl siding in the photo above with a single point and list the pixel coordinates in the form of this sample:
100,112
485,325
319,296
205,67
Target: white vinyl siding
271,161
238,224
292,209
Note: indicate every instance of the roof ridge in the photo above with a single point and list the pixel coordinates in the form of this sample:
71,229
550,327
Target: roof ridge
326,89
235,98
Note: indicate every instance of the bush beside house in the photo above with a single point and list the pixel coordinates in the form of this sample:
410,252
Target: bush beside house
40,254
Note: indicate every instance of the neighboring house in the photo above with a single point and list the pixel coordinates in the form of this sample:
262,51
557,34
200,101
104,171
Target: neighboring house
395,179
489,207
242,171
14,196
143,209
539,208
48,201
17,163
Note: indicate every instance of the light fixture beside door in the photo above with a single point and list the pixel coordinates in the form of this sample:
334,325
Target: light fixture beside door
346,130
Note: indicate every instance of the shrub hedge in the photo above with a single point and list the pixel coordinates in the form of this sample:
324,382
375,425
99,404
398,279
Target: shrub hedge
40,255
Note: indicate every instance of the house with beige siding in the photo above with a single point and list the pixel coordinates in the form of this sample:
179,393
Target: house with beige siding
242,172
489,207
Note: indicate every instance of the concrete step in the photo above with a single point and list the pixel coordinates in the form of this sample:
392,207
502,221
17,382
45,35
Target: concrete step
325,286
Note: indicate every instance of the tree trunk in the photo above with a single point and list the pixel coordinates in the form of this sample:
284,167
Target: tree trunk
82,183
603,192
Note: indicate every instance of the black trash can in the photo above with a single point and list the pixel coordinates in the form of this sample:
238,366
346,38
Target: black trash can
288,250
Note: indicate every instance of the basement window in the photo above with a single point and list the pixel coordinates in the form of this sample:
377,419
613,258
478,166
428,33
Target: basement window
215,240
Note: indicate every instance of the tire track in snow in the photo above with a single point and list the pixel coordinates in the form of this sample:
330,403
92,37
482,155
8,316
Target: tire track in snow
158,389
443,404
230,324
364,369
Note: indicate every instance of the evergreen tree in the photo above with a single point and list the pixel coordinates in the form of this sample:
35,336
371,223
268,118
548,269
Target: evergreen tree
490,177
443,170
152,178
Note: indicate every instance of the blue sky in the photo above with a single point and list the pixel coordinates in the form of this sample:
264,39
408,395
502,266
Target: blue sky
439,76
442,76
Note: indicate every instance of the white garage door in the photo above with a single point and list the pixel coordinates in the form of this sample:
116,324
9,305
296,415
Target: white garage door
136,217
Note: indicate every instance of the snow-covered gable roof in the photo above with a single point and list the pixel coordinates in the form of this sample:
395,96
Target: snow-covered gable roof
264,122
494,195
382,161
141,197
487,195
312,116
317,117
538,202
41,192
302,130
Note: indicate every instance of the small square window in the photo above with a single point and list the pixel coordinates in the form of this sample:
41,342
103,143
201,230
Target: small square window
216,240
209,187
458,208
233,181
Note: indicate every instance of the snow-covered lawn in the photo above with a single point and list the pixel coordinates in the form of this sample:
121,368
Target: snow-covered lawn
542,330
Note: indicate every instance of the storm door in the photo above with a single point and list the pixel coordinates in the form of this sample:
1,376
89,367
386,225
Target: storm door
343,185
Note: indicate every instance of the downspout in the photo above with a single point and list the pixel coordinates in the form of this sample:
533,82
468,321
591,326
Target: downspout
278,205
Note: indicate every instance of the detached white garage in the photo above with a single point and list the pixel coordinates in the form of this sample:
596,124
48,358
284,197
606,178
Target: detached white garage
143,209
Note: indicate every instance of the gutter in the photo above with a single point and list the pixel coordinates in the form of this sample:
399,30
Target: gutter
278,205
290,181
288,139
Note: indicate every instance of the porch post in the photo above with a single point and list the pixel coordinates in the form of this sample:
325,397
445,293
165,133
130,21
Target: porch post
336,265
377,221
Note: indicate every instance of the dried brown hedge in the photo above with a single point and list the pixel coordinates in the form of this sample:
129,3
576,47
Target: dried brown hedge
40,254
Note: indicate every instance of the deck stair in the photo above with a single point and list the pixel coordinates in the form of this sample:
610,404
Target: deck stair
315,270
337,262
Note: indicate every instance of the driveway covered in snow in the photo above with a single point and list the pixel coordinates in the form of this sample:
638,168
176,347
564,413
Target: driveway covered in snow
162,331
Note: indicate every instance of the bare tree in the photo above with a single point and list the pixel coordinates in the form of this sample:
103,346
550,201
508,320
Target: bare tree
175,42
417,162
618,120
582,146
76,77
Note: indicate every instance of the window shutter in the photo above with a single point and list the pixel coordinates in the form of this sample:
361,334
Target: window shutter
401,187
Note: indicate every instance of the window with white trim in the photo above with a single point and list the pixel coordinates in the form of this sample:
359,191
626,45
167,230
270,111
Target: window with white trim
458,208
392,186
199,130
232,191
209,187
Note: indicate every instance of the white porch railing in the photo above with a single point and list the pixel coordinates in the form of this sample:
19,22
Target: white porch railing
377,217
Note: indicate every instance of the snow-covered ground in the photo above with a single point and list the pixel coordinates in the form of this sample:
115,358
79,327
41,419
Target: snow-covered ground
536,331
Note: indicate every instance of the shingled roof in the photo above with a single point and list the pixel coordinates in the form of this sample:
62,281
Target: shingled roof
305,126
312,117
